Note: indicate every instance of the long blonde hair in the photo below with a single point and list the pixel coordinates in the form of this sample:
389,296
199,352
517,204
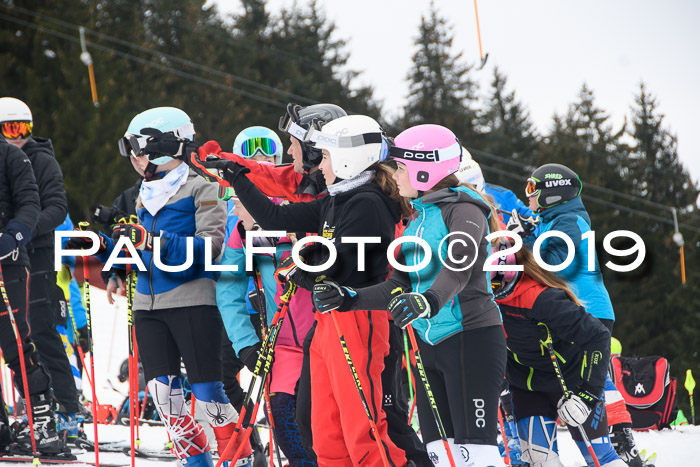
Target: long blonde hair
525,258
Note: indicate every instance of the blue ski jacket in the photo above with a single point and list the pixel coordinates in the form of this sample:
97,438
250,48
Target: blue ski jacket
193,211
572,219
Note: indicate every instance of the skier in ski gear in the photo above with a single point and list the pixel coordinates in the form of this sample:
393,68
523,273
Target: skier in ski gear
554,192
259,143
175,312
19,213
231,294
43,298
533,303
359,204
452,310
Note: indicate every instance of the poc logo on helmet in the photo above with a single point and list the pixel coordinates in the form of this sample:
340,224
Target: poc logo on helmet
342,132
553,176
419,156
556,183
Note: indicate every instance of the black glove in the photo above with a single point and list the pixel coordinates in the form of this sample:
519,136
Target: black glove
109,216
15,235
139,236
249,356
407,307
167,144
83,339
329,296
523,226
215,169
84,243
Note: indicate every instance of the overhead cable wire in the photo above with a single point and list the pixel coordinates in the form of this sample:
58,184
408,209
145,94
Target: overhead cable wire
148,63
172,58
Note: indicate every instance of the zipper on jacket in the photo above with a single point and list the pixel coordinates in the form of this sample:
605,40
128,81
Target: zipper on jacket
150,269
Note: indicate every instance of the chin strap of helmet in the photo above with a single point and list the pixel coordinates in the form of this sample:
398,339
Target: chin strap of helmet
150,171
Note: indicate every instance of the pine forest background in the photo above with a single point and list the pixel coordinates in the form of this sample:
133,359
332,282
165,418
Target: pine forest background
231,73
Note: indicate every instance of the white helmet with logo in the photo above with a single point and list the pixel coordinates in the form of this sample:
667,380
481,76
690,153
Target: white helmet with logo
354,143
469,171
14,110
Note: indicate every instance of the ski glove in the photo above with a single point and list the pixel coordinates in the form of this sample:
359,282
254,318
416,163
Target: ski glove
523,226
249,356
16,234
84,243
575,409
139,236
167,144
329,296
215,169
83,340
407,307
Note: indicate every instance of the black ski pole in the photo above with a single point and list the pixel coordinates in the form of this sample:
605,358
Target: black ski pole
567,394
429,392
22,364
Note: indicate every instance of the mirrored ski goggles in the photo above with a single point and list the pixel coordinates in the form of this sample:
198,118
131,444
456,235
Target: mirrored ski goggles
14,130
131,145
262,145
532,188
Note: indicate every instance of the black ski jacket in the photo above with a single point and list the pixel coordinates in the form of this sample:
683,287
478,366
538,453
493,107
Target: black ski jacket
19,195
581,342
52,193
362,211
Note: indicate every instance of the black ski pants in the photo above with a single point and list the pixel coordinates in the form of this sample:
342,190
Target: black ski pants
43,310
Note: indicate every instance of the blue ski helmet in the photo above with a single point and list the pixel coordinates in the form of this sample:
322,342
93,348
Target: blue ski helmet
165,119
256,140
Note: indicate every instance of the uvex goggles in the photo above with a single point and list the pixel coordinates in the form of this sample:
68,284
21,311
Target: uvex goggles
417,155
14,130
260,145
131,145
288,123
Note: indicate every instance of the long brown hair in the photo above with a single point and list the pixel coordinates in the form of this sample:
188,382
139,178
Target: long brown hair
451,181
382,176
525,257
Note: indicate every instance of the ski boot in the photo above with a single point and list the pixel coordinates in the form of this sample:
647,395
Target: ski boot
70,427
622,439
48,441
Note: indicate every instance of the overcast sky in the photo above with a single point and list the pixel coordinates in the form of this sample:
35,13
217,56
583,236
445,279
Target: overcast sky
547,49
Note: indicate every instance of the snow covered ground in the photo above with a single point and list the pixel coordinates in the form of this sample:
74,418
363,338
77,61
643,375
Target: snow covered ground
672,447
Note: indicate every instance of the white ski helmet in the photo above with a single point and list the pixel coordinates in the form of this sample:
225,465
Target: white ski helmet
14,110
470,172
354,143
165,119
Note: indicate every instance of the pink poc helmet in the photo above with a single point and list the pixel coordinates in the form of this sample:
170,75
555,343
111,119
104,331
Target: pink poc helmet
430,152
501,280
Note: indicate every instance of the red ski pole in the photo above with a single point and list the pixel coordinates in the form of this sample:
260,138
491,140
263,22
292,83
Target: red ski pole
503,433
22,366
263,365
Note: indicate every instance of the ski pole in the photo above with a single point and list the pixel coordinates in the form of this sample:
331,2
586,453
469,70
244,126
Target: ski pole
263,364
22,364
130,284
358,385
567,394
268,364
690,386
503,434
80,349
408,371
429,392
86,290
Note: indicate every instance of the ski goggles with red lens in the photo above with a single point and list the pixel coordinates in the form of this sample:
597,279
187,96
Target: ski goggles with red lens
131,145
261,145
14,130
533,187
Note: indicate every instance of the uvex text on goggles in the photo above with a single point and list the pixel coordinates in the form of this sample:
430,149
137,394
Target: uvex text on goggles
14,130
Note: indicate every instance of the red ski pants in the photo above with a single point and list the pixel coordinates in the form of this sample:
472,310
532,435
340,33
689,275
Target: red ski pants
342,435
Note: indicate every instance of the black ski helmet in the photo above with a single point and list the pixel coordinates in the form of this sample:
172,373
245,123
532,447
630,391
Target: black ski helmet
297,120
553,184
